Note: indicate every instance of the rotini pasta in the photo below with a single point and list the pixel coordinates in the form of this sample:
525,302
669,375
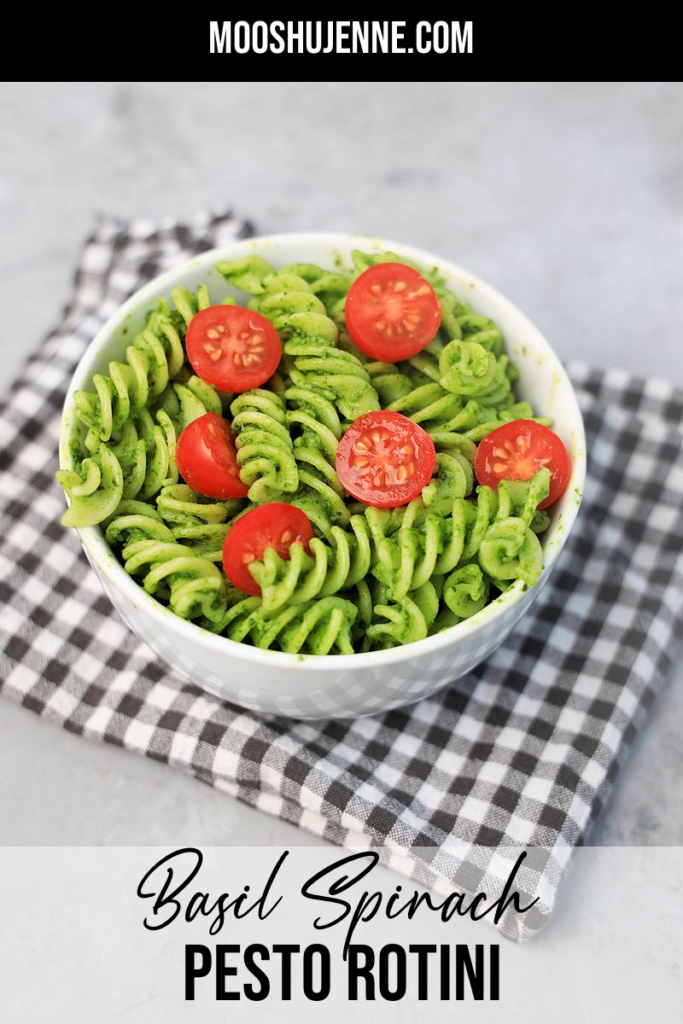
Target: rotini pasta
317,627
370,578
310,338
265,451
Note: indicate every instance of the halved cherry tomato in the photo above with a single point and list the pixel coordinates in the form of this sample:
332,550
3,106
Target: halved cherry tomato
392,312
517,450
233,348
207,458
384,459
273,525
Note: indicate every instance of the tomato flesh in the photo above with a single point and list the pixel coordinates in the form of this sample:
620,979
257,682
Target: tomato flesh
273,525
392,312
233,348
207,458
385,459
517,450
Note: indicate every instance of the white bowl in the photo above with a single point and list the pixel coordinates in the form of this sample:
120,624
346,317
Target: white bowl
314,686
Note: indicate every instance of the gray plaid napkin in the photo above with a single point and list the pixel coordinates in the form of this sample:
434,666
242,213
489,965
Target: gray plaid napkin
521,754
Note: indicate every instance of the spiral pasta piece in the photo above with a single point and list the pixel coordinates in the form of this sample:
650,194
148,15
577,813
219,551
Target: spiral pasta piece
318,627
453,478
362,261
361,596
193,585
473,422
186,399
95,492
521,498
331,287
178,505
427,599
310,340
153,359
199,522
406,620
388,381
480,330
407,546
188,303
467,368
451,442
332,566
466,591
451,309
315,423
411,543
246,274
509,550
429,405
206,540
478,517
146,454
484,420
265,451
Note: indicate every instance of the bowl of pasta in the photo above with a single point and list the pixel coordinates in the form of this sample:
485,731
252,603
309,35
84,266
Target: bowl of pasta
321,475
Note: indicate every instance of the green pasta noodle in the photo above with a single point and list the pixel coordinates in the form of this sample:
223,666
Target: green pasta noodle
320,494
265,451
317,627
192,584
466,591
95,492
310,337
372,578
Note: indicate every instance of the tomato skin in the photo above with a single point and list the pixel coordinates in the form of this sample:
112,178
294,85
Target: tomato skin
392,312
207,458
232,347
517,450
390,446
273,525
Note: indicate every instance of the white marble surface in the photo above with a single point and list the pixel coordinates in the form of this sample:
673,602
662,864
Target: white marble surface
568,198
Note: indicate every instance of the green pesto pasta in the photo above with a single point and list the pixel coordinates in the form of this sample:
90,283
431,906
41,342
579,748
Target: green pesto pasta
372,578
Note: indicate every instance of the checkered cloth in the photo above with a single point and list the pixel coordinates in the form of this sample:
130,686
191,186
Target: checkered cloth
519,755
